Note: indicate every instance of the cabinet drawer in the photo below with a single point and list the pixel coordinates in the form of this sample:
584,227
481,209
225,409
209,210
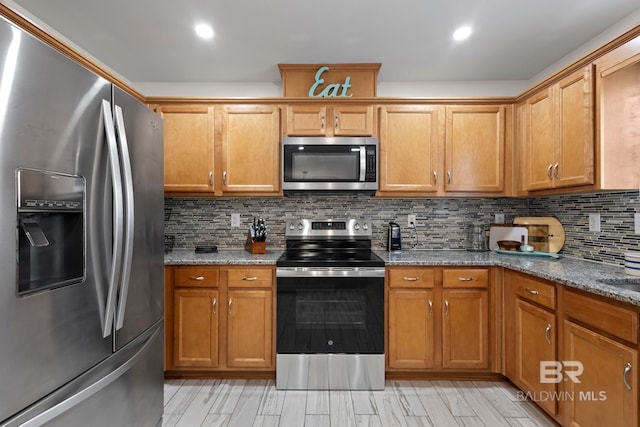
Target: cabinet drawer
607,317
465,278
250,277
411,278
535,291
196,277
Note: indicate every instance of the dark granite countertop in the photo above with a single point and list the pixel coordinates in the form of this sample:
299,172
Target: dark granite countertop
571,272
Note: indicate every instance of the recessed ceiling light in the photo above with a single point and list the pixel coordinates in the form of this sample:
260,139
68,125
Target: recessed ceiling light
462,33
204,31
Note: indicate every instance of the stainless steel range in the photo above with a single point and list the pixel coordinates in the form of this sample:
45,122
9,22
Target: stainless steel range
330,307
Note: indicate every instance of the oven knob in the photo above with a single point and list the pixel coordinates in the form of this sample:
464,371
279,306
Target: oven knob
292,226
365,226
300,226
330,342
356,226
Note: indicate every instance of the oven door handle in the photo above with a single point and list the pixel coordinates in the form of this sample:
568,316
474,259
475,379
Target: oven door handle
330,272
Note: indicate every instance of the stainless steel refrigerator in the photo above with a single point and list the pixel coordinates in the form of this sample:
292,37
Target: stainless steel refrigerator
81,259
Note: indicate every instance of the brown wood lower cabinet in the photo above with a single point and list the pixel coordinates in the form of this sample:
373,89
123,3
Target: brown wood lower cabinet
249,328
221,319
431,328
606,394
195,328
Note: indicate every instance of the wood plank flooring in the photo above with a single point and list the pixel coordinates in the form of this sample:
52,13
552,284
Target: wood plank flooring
244,403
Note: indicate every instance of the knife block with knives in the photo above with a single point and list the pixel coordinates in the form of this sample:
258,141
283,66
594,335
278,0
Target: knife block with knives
257,237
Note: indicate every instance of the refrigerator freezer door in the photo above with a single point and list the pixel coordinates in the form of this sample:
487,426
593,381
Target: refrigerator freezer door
50,120
144,303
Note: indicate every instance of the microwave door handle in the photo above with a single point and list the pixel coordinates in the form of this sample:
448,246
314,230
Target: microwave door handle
129,216
363,163
118,218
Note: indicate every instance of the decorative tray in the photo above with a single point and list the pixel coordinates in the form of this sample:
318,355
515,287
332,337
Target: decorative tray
534,253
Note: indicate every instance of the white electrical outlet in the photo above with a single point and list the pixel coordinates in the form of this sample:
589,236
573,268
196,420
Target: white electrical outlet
636,220
594,222
499,218
411,220
235,220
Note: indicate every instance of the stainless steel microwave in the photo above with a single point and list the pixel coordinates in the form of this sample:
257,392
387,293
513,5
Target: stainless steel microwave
329,164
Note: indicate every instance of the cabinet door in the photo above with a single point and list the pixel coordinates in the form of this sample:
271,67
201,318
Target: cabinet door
474,151
411,329
465,329
353,120
607,392
535,341
250,329
574,153
195,328
250,148
538,155
409,140
188,148
306,120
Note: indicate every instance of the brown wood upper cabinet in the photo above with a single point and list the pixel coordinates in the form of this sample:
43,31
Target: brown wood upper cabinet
188,147
558,149
474,148
410,137
438,150
249,142
221,149
329,120
617,94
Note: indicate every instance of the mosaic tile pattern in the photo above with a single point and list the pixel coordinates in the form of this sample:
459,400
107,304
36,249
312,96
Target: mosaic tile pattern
441,222
616,234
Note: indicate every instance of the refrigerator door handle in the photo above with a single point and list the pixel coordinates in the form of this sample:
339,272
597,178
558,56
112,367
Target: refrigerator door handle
127,176
118,220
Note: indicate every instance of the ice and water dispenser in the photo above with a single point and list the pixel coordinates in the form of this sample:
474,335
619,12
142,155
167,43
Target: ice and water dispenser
50,230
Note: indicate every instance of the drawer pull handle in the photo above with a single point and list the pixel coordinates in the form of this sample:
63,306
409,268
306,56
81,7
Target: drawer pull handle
556,175
230,301
210,177
449,177
627,369
435,178
446,307
465,279
549,168
224,177
430,308
546,333
250,279
198,278
213,306
532,291
411,279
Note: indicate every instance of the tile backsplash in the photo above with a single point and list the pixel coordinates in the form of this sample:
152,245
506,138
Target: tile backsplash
441,222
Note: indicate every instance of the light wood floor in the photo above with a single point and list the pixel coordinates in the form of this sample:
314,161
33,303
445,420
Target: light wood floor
245,403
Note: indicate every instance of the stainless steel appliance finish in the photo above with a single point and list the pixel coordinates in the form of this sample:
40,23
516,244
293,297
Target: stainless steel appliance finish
330,371
330,307
329,164
83,344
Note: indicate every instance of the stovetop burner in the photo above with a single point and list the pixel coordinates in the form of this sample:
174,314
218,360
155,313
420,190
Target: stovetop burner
329,243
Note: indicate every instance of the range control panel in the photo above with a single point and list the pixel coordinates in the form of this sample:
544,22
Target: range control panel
328,228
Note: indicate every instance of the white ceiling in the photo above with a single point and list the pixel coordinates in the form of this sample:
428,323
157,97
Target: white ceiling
154,40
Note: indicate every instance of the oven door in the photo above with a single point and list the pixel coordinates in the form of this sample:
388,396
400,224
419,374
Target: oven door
321,311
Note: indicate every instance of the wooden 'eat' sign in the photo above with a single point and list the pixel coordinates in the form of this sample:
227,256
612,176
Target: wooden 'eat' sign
318,81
